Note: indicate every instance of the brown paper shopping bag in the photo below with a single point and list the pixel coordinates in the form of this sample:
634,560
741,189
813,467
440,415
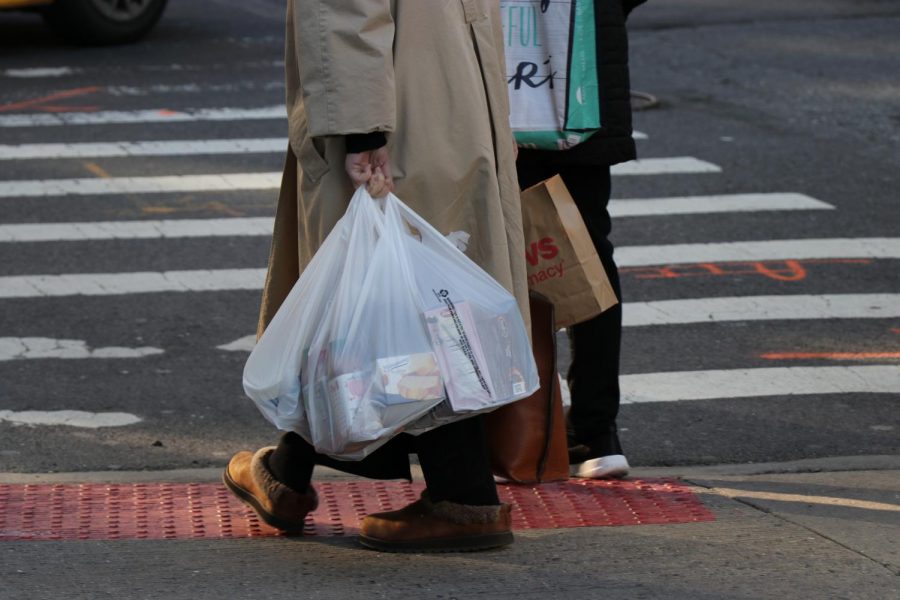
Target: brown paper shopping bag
562,263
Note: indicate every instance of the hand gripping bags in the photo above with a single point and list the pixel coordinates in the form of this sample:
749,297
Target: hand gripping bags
390,328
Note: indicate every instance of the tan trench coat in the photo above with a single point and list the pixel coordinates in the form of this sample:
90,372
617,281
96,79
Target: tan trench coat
429,72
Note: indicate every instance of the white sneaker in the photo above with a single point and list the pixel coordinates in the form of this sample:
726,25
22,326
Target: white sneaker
613,466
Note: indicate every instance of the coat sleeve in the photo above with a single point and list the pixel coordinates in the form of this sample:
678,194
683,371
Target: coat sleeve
344,55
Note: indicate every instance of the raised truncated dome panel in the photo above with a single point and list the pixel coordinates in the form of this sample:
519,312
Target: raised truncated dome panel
209,511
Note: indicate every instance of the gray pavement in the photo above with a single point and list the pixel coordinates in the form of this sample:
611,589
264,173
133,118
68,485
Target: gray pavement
794,97
788,533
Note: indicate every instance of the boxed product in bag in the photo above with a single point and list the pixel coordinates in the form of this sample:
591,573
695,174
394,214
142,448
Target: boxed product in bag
365,404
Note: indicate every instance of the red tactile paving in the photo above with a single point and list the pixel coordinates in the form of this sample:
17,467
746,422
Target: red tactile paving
208,510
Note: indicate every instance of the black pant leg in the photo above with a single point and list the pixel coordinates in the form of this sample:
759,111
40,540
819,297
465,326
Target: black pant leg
454,459
596,343
456,464
293,460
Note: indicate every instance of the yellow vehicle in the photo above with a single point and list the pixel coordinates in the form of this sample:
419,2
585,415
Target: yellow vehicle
95,22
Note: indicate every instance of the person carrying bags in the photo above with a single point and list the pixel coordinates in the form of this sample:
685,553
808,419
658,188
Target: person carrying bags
407,96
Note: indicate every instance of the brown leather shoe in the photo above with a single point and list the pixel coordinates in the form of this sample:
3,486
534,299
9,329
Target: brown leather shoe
424,526
249,478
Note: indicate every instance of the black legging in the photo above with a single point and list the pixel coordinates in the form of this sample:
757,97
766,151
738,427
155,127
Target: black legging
594,373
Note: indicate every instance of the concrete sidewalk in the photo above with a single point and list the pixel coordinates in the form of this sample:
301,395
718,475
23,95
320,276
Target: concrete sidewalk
827,528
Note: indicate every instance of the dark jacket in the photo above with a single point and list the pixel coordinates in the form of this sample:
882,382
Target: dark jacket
613,143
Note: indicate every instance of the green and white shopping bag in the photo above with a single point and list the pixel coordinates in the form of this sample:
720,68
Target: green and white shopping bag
551,63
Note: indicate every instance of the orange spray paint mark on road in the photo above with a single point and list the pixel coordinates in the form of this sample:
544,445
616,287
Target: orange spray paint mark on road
782,270
96,169
830,355
42,102
792,270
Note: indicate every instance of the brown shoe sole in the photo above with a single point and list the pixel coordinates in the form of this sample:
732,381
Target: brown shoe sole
289,527
459,544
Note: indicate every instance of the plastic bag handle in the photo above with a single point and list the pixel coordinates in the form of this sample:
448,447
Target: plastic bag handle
395,231
426,230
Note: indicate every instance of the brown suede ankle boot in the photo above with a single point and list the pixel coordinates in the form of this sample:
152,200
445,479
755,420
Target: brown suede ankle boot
249,478
426,526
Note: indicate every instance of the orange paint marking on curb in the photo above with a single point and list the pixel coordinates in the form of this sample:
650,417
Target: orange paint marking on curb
44,99
829,355
168,113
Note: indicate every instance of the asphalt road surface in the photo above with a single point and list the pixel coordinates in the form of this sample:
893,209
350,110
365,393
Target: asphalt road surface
759,237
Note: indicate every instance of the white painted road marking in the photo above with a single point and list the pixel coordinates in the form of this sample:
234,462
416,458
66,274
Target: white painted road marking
27,348
761,308
635,256
749,383
140,185
736,308
262,226
639,135
665,166
71,418
244,344
689,205
238,181
159,115
101,284
113,284
39,72
147,148
127,230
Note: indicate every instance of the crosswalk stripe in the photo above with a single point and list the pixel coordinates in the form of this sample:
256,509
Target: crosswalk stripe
635,256
140,185
39,72
148,148
122,230
262,226
738,308
151,148
665,166
99,284
761,308
113,284
763,382
70,418
244,181
243,344
158,115
13,348
727,203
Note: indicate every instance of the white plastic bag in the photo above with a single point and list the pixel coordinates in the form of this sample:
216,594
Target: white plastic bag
272,372
371,368
476,329
390,328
